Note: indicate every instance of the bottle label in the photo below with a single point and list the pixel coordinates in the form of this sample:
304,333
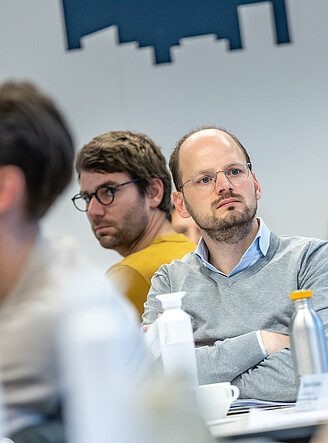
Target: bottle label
313,392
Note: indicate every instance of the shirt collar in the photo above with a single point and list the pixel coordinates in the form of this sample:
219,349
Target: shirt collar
263,234
262,239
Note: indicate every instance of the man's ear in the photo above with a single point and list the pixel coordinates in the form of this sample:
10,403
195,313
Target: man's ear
155,192
258,191
179,204
12,186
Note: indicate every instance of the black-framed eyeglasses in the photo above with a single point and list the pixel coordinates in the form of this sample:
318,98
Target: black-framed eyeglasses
104,195
205,181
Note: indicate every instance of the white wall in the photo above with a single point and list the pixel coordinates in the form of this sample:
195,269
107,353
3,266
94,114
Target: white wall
273,97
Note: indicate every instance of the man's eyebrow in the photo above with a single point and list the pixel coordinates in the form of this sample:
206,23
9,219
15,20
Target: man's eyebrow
109,183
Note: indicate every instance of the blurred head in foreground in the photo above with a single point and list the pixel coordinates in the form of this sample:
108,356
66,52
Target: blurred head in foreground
36,150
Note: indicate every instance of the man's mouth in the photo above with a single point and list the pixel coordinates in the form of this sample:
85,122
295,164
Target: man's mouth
228,202
102,228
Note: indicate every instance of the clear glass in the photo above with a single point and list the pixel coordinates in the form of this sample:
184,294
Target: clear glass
204,181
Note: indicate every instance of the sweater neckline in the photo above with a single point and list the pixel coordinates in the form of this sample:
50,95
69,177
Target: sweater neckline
259,264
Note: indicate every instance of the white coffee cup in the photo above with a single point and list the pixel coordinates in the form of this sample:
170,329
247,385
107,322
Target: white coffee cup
215,399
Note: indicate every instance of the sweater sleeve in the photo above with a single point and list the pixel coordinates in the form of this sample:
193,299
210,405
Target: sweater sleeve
228,358
313,275
273,379
159,285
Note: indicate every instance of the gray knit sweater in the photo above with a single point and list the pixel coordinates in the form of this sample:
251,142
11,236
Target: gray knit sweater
227,312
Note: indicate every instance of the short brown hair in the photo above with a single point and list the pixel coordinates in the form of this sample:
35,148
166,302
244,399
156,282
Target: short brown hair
174,159
35,138
132,153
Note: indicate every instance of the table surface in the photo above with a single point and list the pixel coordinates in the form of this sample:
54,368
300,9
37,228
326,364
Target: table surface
279,422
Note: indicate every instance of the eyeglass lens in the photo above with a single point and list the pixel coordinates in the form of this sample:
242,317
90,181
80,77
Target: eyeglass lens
236,173
104,196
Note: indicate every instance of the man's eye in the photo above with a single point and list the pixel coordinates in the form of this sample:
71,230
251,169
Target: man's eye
110,191
85,197
105,192
234,171
204,180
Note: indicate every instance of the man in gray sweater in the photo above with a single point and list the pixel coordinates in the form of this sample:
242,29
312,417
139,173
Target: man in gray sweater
239,279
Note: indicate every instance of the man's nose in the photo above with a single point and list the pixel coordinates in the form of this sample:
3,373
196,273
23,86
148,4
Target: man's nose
95,208
222,182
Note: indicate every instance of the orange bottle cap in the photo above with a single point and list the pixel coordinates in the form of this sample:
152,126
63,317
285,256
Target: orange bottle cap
300,294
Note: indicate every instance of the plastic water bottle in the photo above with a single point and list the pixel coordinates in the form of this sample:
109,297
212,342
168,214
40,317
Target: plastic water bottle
307,337
176,339
99,399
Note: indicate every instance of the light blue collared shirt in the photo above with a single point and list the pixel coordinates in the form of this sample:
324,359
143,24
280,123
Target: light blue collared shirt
256,250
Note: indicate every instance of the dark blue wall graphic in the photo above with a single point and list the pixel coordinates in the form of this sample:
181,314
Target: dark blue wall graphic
161,23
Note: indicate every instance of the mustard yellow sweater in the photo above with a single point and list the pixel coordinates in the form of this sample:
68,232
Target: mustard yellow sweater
132,275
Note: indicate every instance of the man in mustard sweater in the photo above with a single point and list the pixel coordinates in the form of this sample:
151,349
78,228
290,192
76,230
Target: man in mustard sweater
126,194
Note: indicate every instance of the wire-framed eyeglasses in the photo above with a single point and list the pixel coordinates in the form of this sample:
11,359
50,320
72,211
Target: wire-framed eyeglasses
104,195
205,181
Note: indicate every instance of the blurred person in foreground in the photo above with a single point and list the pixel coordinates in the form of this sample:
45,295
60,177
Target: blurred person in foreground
40,279
239,279
126,194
